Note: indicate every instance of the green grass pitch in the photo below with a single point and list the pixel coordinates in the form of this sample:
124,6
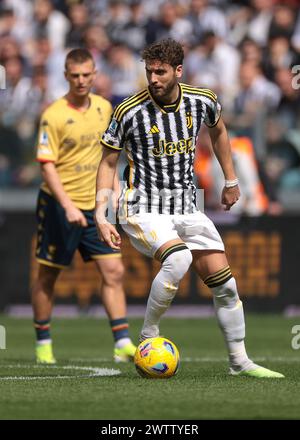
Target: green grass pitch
202,388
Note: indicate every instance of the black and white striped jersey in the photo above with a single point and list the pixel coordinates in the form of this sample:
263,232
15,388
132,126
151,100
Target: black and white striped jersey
160,148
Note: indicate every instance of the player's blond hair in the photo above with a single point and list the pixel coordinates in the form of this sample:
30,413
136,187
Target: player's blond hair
78,56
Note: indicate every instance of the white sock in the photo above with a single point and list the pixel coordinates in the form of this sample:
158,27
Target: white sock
230,315
44,341
122,342
163,290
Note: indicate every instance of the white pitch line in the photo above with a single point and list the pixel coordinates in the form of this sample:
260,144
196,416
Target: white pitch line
255,359
205,359
94,372
91,359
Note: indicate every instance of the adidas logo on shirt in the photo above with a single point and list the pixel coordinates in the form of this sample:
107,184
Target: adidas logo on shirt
154,129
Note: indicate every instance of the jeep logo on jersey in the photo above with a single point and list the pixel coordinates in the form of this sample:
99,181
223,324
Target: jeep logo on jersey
171,148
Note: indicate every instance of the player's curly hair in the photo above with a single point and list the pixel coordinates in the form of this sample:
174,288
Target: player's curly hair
78,56
167,51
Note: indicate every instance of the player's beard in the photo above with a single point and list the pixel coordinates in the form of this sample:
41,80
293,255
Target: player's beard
171,87
165,91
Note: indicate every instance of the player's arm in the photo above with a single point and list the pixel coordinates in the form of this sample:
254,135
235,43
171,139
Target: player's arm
116,191
104,188
47,155
52,179
222,150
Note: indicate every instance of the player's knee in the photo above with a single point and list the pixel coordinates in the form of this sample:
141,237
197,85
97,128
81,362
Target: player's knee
47,277
178,263
114,273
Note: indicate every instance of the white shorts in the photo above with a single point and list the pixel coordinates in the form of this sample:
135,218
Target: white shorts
148,232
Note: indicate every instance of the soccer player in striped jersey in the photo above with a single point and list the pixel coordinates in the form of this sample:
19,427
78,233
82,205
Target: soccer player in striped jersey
69,152
158,128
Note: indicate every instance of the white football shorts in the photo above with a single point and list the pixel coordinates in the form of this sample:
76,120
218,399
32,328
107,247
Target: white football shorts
148,232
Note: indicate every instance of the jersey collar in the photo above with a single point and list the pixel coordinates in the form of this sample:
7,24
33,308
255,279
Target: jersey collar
162,107
76,109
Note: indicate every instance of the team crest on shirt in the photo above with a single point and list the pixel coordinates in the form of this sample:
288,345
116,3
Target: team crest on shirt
113,126
189,119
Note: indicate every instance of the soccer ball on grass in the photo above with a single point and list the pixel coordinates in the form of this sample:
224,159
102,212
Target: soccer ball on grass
156,358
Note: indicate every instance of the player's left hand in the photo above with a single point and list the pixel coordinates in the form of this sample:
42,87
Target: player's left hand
230,196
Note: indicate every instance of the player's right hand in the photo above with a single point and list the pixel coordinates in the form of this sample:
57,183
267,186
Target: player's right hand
230,196
108,233
76,217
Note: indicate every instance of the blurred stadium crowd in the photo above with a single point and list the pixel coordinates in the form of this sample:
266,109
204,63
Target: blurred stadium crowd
248,52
